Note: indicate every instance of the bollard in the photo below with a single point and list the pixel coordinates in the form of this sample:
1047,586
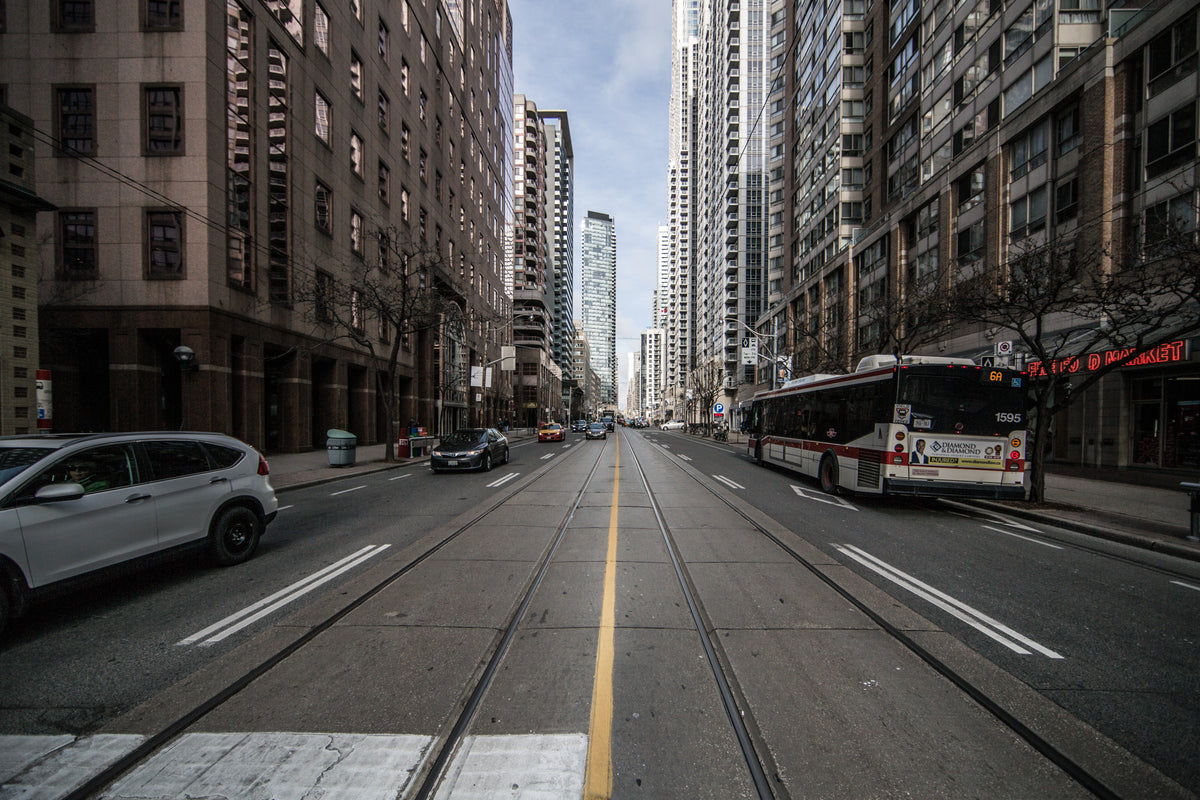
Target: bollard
1193,490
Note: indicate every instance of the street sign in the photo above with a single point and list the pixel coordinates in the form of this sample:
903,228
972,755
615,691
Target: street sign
719,408
749,351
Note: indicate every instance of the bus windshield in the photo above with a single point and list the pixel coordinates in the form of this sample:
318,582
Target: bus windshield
973,402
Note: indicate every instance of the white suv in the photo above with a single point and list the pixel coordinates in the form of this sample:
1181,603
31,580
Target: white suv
74,504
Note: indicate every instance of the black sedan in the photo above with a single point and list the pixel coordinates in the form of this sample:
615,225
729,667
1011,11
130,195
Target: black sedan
469,448
596,431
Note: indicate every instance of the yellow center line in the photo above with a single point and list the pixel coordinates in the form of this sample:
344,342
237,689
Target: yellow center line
597,782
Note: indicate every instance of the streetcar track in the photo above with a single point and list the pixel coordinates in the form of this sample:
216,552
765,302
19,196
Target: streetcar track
430,773
736,711
1072,768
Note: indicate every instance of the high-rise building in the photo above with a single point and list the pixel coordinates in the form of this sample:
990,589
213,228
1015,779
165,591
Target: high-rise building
598,295
928,146
676,280
23,392
364,144
560,185
537,386
653,373
718,190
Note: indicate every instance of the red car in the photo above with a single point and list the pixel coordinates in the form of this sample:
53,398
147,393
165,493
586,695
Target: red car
552,432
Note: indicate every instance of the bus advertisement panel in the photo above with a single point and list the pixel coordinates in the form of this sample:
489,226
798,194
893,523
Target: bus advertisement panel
920,426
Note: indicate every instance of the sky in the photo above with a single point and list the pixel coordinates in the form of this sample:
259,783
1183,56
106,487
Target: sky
608,64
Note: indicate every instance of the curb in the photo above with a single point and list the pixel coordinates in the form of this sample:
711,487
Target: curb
1180,549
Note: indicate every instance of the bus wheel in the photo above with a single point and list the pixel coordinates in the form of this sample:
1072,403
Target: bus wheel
828,474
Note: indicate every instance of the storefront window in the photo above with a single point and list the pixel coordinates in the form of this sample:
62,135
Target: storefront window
1166,422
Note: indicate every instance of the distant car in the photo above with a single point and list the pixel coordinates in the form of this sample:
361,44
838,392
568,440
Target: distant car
596,431
673,425
552,432
74,505
579,426
469,448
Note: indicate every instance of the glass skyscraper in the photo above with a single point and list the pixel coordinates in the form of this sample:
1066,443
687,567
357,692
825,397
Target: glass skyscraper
599,299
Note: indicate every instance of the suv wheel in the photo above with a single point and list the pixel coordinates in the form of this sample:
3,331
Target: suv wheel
234,536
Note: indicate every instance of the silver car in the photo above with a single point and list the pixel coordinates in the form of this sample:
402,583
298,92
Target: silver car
71,505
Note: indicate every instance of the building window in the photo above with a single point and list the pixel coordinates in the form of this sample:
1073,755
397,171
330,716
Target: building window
356,9
404,76
1027,215
969,189
1171,55
164,120
76,110
385,112
356,233
164,243
77,244
1066,200
74,16
1068,130
1028,151
1171,141
323,205
323,299
385,38
356,73
162,15
404,204
970,243
385,182
358,311
404,142
321,29
356,154
322,112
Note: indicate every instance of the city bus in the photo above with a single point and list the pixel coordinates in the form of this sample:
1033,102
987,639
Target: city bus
917,425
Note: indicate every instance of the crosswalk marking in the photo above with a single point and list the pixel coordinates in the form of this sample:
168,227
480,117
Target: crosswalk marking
333,766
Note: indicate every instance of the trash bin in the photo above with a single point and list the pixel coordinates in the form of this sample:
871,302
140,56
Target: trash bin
342,447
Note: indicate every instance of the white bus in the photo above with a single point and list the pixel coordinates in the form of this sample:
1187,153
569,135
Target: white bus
934,427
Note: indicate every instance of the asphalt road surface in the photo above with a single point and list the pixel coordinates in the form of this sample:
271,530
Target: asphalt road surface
648,616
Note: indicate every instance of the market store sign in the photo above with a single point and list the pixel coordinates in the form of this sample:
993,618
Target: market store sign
1167,353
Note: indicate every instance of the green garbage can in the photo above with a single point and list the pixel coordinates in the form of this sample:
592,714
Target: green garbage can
342,447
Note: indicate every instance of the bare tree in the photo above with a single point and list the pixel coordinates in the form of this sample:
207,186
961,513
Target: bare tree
1068,305
705,382
374,305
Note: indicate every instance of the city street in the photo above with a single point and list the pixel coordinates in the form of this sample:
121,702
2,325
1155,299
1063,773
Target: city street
652,615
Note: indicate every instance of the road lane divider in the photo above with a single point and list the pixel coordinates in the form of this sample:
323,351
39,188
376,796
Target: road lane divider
252,613
976,619
501,481
597,782
348,491
729,482
1026,538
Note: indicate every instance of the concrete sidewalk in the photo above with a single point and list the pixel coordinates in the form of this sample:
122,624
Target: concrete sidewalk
1140,508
